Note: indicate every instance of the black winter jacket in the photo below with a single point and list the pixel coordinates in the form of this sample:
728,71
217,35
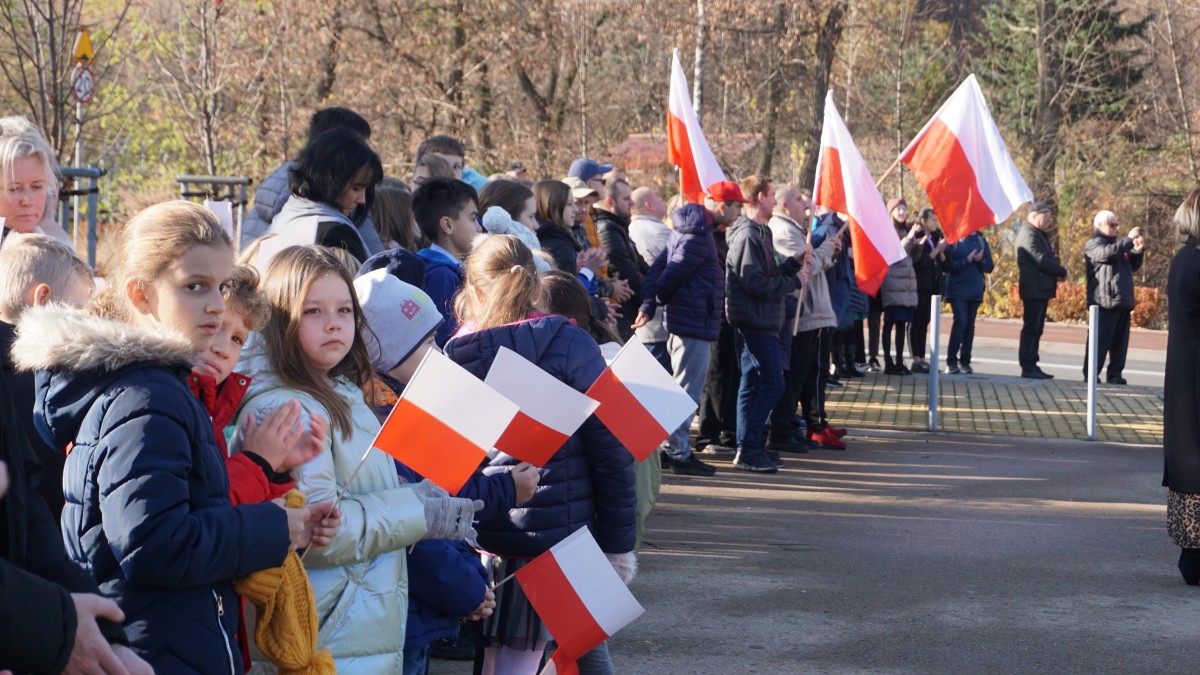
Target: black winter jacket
1038,264
625,261
755,283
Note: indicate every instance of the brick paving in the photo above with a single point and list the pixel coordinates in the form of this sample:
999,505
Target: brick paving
997,405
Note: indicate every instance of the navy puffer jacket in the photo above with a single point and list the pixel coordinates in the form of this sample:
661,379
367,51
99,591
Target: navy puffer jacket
589,482
687,279
148,511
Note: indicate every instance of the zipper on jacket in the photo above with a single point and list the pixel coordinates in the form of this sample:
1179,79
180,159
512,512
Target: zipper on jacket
221,627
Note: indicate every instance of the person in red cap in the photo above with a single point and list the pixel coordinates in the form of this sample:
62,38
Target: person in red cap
755,287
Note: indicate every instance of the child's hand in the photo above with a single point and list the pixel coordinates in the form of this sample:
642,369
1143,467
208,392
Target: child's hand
485,608
309,445
3,479
525,477
306,527
326,523
273,437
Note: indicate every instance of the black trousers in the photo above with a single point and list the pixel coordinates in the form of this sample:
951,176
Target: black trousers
920,326
718,403
802,364
1031,332
1112,342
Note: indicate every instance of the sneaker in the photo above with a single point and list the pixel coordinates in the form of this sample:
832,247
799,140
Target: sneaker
716,450
757,462
952,369
828,440
692,466
788,445
873,366
665,459
834,382
967,370
902,369
920,367
774,458
837,431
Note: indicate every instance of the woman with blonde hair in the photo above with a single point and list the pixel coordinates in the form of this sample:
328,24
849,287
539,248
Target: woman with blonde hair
28,182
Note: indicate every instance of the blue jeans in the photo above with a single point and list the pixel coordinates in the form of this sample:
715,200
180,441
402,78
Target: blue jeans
596,662
761,386
660,353
689,363
416,660
962,332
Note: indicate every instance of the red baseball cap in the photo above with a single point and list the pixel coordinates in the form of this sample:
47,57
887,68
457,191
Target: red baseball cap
726,191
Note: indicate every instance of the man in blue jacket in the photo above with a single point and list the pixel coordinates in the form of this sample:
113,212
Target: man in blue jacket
756,283
686,281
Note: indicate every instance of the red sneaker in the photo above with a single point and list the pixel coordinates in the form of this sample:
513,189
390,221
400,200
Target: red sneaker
837,431
827,439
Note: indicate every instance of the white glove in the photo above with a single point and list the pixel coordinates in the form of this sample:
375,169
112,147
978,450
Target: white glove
625,564
427,488
449,517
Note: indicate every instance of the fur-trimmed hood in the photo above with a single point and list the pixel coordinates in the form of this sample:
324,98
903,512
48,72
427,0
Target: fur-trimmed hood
79,357
60,338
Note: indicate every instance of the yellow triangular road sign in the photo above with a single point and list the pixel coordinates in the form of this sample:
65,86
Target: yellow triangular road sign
83,47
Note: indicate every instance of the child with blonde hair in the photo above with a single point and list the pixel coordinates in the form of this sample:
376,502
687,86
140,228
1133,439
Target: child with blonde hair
589,482
148,510
312,350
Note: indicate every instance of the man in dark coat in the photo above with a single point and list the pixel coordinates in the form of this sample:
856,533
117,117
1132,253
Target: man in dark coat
624,261
686,280
1111,263
718,403
1040,273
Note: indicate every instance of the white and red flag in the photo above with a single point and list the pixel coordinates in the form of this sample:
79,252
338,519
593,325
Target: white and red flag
640,403
578,596
434,433
549,409
844,185
964,166
686,146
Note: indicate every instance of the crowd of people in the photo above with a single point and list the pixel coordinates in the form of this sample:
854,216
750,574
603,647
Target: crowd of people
182,473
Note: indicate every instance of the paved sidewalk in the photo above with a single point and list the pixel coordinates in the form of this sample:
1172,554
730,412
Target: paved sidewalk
998,405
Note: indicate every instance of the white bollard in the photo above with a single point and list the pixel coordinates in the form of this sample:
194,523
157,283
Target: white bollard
1093,329
935,334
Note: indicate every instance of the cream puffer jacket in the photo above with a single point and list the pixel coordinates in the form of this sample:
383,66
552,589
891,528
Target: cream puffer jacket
360,581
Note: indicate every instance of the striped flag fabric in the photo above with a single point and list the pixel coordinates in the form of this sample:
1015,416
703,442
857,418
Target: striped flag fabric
640,403
578,596
433,433
964,166
687,148
549,410
845,185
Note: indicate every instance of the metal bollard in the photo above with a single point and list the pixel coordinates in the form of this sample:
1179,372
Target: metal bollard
935,330
1093,329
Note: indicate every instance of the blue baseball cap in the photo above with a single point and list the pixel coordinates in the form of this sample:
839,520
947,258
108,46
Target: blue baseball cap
586,169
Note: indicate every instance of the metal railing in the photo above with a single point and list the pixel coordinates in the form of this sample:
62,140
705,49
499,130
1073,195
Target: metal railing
69,204
232,189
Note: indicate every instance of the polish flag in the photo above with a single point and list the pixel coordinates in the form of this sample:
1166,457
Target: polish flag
844,185
686,145
434,433
964,166
549,409
640,403
578,596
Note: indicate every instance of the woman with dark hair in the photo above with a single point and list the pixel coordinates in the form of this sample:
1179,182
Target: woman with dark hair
1181,392
515,198
563,294
392,214
333,178
555,214
928,259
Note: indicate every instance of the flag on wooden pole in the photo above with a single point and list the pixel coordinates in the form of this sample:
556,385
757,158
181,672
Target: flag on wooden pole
549,409
640,403
964,166
431,430
844,185
686,146
578,596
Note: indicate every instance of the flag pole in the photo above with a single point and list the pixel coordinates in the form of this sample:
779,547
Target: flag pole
342,493
887,173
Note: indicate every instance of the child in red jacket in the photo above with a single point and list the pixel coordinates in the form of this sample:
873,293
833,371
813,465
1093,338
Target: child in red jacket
269,448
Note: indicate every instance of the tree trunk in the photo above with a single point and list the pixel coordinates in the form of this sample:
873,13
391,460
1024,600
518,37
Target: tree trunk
329,59
774,94
1183,107
1048,118
828,36
483,113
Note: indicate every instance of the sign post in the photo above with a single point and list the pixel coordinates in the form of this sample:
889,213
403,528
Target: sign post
83,87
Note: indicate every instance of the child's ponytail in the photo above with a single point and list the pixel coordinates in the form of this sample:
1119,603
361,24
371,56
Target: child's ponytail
501,286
